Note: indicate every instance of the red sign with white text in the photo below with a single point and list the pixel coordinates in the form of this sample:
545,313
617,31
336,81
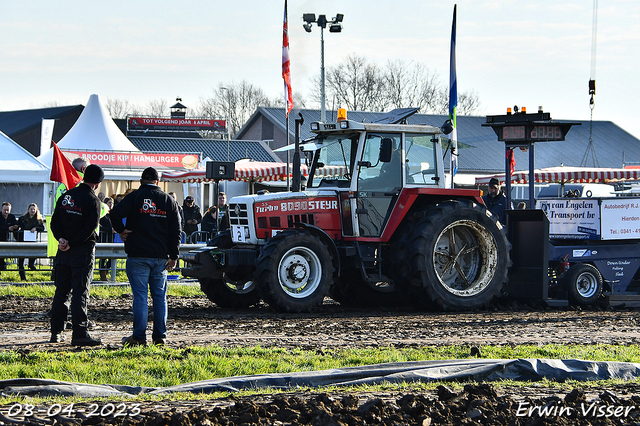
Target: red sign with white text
161,160
179,124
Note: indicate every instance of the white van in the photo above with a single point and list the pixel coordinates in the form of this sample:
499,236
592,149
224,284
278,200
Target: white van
577,190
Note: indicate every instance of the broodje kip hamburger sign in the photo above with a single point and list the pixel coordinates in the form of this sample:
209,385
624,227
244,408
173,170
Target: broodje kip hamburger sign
162,160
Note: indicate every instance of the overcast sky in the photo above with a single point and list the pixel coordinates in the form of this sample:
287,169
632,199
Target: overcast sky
525,53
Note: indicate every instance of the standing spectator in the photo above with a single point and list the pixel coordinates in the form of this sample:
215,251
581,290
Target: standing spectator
223,207
30,223
80,164
151,241
210,221
192,216
106,236
496,201
175,198
8,224
74,223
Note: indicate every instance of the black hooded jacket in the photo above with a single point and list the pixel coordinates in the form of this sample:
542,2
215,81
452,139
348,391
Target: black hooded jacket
76,216
154,221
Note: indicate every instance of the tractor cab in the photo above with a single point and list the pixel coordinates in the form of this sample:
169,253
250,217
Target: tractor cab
370,164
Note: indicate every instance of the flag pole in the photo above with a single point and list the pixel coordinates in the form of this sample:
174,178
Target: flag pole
288,158
286,76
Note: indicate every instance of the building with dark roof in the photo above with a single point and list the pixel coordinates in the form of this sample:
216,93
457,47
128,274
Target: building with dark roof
480,152
25,126
214,149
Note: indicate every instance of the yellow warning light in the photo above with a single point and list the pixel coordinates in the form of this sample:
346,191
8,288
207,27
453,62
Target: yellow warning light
508,111
524,110
342,114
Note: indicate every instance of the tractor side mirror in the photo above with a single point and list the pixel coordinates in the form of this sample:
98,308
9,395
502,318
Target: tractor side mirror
386,147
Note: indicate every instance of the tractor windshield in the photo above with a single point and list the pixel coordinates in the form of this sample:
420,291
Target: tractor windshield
333,163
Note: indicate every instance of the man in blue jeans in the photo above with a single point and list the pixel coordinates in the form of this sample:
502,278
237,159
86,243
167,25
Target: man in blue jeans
152,241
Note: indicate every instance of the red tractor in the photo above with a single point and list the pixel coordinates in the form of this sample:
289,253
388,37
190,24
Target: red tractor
375,218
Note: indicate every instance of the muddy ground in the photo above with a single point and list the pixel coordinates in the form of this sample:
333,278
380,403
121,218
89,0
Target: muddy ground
195,321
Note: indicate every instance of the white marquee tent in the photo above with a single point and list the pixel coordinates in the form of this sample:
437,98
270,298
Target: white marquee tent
95,130
23,179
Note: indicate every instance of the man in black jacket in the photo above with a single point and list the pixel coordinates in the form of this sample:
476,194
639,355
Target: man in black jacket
74,224
496,201
152,241
8,225
192,216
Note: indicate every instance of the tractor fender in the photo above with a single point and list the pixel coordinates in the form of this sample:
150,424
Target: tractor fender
325,238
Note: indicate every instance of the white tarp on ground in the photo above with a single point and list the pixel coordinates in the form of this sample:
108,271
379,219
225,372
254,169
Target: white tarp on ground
396,372
95,130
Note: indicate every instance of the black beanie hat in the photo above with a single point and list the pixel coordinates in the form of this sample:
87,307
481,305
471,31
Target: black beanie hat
93,174
149,174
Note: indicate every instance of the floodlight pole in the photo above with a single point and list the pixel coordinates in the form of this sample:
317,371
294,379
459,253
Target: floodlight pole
323,110
335,26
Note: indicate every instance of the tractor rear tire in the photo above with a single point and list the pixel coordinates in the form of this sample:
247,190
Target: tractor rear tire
583,283
457,256
294,271
235,290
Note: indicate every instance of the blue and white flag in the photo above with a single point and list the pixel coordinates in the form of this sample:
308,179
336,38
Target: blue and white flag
453,99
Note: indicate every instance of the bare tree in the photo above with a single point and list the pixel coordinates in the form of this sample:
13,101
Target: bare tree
355,84
119,108
411,85
468,103
235,101
157,108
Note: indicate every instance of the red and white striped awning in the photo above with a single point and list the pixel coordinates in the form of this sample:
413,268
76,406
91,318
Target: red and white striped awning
249,171
567,175
255,171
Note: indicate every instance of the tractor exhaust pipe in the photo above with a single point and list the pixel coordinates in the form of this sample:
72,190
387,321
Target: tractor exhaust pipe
295,182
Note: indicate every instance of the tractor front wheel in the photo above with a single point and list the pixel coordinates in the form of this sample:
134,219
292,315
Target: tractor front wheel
294,271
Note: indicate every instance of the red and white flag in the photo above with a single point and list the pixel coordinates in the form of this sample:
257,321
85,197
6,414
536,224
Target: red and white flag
286,70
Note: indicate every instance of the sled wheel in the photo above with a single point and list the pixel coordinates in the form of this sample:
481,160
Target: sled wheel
294,271
583,283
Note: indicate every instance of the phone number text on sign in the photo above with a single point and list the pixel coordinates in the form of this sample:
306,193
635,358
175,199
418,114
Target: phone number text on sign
620,219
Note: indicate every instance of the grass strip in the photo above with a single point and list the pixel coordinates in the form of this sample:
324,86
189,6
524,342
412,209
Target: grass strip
162,366
97,290
42,274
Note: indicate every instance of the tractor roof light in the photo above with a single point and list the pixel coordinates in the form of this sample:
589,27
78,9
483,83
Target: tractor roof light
344,124
342,114
315,126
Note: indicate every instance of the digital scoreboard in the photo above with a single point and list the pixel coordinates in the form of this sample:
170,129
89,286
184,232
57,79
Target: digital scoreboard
535,133
524,128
